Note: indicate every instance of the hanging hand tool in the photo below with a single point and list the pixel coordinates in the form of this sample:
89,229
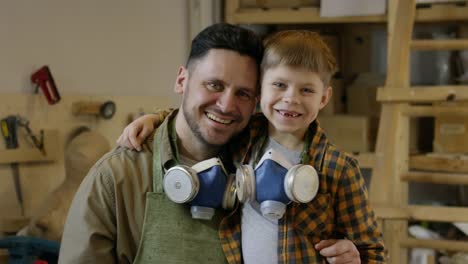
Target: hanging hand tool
38,143
43,79
9,127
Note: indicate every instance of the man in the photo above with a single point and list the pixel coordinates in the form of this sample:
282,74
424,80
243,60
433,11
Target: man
120,213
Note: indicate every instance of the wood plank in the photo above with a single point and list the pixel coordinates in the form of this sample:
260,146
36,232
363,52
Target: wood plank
440,13
231,8
437,213
453,163
435,244
386,213
366,160
423,213
307,15
311,15
423,94
437,178
393,138
435,110
440,44
431,162
32,154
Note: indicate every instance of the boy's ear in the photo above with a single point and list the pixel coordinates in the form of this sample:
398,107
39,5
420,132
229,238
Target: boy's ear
326,97
181,80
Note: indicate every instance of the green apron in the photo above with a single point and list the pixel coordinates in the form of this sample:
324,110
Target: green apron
169,234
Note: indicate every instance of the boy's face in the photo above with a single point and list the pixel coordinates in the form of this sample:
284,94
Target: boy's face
291,98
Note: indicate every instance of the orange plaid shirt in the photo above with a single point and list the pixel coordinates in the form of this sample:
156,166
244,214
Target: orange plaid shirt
340,209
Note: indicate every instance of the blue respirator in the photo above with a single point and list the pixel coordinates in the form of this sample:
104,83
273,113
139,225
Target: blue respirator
205,186
275,183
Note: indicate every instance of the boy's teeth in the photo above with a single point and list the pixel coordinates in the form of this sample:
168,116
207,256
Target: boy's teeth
217,119
288,114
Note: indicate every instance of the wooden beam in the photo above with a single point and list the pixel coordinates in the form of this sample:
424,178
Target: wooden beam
437,213
434,177
423,213
309,15
445,163
435,110
32,154
295,16
435,244
439,13
383,212
440,44
366,160
423,93
231,7
441,163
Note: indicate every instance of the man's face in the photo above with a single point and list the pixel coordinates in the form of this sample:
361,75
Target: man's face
219,96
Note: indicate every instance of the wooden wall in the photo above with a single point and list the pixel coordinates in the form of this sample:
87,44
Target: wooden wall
38,179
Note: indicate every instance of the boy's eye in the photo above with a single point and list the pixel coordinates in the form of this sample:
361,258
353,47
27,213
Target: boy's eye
279,84
307,90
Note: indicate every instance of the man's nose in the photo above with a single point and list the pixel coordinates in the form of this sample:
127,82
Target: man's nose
226,101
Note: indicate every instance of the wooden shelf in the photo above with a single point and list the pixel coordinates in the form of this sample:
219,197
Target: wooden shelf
429,162
32,154
310,15
423,94
423,213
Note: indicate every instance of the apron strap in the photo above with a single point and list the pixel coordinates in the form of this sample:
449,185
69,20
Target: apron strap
157,166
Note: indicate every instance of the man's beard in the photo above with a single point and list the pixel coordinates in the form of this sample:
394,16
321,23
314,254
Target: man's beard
195,128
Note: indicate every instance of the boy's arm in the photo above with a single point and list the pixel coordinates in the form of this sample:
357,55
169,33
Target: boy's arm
90,230
136,132
355,218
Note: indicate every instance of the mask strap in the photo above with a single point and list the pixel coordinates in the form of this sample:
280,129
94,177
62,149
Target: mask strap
158,167
206,164
305,159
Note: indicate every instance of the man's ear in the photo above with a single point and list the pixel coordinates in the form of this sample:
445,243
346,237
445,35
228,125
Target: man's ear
327,94
181,80
257,104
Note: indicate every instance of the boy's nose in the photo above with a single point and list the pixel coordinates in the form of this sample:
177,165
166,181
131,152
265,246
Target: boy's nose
291,98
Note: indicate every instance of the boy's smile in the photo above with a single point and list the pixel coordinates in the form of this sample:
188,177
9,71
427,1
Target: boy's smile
291,98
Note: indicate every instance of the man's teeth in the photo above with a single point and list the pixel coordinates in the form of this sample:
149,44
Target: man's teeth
288,114
217,119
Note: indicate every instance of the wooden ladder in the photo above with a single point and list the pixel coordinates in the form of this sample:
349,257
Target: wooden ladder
391,174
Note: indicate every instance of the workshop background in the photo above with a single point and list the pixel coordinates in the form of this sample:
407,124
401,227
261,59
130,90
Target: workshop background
76,73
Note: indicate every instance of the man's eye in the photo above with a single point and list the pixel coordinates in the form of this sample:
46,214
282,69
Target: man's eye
214,86
245,96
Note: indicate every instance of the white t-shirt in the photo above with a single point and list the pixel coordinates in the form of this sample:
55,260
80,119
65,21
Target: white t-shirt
259,234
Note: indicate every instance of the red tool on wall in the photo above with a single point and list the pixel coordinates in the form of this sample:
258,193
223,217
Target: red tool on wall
44,80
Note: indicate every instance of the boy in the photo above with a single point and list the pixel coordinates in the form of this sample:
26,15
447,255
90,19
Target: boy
296,70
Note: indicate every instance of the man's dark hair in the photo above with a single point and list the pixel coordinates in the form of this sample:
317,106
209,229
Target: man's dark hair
229,37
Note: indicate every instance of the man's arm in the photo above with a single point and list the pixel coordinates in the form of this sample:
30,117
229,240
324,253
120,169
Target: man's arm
90,230
355,218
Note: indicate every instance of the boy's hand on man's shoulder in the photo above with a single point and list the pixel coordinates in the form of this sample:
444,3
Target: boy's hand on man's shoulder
338,251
